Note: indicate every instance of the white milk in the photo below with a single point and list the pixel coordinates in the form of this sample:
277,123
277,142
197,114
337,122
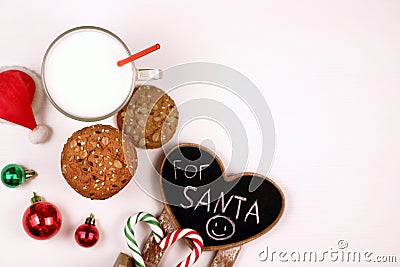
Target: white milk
82,77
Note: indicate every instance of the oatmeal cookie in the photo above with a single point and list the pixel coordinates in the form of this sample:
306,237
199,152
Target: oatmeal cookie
150,119
93,162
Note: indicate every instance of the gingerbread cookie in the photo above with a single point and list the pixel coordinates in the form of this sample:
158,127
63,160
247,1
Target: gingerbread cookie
93,162
150,119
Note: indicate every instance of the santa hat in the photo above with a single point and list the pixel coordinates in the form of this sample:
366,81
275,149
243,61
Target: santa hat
20,94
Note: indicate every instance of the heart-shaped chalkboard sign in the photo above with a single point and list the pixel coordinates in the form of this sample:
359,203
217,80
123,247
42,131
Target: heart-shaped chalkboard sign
199,195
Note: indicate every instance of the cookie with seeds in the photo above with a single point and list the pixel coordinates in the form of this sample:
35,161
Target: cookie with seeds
93,162
150,119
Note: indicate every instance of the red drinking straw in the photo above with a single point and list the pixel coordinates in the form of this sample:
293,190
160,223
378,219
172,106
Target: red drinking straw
138,55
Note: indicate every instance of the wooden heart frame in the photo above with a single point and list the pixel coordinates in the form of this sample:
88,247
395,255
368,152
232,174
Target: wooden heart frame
227,179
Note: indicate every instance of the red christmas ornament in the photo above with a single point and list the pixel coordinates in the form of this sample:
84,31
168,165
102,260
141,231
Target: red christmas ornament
87,234
42,220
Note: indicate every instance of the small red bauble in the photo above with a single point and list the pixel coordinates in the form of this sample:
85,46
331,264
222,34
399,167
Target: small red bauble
87,234
42,220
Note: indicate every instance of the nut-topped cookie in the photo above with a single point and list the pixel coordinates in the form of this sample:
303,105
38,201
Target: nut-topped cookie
93,162
150,119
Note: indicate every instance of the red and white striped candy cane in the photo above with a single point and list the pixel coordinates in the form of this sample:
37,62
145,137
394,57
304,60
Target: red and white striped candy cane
188,233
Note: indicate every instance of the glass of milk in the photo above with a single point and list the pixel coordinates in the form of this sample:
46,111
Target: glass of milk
81,77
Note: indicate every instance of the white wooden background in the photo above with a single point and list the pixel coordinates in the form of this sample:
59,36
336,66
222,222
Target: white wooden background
329,70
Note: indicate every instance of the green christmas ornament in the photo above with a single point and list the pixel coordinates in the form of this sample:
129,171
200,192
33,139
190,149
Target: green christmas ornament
14,175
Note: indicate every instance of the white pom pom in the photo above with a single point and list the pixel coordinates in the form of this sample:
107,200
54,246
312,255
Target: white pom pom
39,134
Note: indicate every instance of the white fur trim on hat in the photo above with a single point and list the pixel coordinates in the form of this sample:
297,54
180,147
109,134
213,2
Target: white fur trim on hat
40,134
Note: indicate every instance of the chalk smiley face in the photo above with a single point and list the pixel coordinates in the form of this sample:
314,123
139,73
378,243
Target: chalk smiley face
220,227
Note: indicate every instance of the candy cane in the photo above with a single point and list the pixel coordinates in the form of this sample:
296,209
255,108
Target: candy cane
130,234
188,233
